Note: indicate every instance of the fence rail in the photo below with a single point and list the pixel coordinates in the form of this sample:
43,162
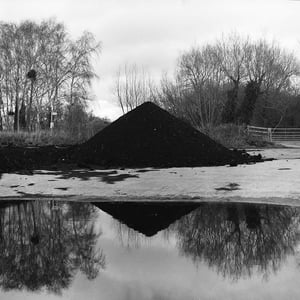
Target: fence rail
275,134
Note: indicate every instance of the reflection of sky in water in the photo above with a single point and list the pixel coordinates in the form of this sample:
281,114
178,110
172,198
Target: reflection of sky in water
144,268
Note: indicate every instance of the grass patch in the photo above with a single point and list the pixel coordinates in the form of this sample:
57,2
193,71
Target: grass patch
58,136
229,135
234,136
38,138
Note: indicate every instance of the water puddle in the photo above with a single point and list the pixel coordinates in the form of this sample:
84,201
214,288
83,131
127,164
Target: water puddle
68,250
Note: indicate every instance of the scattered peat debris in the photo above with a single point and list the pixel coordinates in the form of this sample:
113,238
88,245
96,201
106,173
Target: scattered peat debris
25,159
229,187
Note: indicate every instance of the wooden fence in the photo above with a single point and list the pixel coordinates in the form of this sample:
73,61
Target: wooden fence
275,134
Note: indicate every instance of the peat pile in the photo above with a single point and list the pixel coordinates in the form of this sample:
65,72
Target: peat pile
149,136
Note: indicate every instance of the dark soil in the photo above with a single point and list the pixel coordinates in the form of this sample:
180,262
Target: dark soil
148,136
13,158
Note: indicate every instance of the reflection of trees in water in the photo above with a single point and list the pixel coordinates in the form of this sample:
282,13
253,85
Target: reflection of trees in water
129,237
43,248
238,239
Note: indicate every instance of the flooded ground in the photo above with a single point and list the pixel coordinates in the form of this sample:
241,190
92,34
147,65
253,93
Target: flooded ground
110,251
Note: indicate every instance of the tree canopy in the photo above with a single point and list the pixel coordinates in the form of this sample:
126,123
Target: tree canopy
42,70
232,80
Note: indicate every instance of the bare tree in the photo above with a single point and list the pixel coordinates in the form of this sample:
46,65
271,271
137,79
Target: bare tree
203,81
133,87
230,53
31,75
63,66
270,73
197,92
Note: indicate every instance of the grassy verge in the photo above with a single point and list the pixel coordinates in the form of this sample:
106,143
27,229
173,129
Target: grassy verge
234,136
229,135
39,138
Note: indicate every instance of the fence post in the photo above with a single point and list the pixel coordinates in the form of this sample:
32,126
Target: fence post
270,134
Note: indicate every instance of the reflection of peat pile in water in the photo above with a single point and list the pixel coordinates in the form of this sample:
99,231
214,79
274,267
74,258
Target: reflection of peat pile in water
240,239
147,218
43,248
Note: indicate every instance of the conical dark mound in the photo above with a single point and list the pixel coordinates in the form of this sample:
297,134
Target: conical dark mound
149,136
147,218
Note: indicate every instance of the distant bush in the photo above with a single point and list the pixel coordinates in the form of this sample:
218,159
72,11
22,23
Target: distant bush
54,137
95,125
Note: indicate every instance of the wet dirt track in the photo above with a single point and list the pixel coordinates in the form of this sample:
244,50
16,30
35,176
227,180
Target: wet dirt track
271,182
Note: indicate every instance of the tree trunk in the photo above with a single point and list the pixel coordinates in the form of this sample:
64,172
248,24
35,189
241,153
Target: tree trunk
16,116
229,115
1,122
1,107
22,115
29,108
252,92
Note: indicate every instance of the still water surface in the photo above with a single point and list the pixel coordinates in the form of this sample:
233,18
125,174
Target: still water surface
108,251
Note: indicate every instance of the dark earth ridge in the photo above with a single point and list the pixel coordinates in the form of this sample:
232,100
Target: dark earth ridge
147,136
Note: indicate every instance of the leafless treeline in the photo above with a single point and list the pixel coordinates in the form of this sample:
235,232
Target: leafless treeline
133,87
63,72
233,80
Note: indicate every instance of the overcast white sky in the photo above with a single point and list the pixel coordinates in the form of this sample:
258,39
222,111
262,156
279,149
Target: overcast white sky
152,33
